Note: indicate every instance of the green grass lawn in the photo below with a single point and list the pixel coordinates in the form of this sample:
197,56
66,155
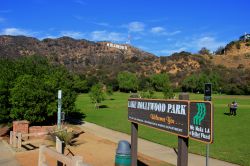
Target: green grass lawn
231,134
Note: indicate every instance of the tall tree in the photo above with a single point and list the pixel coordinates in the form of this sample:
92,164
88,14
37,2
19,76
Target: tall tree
29,86
96,94
160,81
127,81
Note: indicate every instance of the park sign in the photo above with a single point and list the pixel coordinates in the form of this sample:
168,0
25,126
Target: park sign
168,115
192,119
201,121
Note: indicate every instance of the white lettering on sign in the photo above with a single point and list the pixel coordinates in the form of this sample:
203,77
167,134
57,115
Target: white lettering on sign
199,132
121,47
178,109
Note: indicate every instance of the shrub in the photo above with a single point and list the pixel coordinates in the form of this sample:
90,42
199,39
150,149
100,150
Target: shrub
237,45
149,94
247,55
247,44
64,135
168,92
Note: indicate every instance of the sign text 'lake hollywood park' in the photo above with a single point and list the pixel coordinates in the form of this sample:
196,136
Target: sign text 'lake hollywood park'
180,117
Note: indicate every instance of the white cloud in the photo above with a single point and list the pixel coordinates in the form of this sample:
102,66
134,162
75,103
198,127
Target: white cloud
136,26
109,36
173,33
157,30
17,31
171,51
208,42
196,43
162,31
73,34
49,36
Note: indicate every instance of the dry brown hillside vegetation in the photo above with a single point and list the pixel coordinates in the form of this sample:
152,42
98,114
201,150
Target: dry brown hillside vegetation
236,55
78,54
96,59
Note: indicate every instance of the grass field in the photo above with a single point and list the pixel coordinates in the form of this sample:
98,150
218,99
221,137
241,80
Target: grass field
231,133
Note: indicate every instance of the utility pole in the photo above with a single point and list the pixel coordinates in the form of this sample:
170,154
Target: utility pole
59,109
207,97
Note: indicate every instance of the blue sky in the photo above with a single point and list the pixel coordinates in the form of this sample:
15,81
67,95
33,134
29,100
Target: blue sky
157,26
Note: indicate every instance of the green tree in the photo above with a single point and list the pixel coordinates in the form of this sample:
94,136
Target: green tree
204,51
195,82
220,50
96,94
189,83
168,92
127,81
109,90
7,77
159,81
80,84
30,100
29,86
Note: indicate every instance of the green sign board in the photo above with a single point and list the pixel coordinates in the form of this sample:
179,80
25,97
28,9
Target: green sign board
201,121
167,115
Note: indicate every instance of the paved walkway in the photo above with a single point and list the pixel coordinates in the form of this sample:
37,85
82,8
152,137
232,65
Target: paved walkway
151,149
7,156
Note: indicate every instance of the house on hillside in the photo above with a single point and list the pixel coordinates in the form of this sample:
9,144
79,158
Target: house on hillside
245,37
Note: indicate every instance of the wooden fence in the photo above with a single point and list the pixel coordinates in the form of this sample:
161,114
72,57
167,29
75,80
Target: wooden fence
17,139
69,161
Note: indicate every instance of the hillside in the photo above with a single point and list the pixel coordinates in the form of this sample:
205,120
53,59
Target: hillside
81,54
236,55
105,59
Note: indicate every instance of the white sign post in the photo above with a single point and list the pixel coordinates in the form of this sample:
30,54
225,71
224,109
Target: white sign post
59,109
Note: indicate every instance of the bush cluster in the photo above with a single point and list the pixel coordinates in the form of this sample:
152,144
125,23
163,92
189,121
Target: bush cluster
29,87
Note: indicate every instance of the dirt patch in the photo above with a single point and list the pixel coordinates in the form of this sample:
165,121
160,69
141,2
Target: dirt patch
95,151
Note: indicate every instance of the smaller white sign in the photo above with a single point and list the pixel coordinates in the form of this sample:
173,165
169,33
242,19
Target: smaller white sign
59,94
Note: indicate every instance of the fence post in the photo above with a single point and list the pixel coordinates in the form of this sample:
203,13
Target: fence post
182,159
59,149
19,140
14,139
134,143
11,137
41,159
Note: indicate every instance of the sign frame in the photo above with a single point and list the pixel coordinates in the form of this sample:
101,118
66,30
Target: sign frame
211,125
164,101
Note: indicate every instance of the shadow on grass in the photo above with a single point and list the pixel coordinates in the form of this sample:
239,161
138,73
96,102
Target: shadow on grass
226,113
103,106
75,118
